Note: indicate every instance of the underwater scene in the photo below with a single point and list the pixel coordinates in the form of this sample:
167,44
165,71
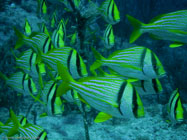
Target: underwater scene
93,70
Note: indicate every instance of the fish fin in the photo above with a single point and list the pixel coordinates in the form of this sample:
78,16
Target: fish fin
1,124
137,28
102,72
2,76
20,36
101,117
81,99
97,63
132,80
42,68
97,54
37,98
140,112
66,22
12,51
14,129
94,66
112,71
43,115
176,44
66,77
39,57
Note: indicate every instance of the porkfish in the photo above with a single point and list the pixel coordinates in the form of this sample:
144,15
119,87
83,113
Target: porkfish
171,26
135,62
112,96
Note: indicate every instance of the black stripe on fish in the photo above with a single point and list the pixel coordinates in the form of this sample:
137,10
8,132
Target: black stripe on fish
135,104
72,93
23,80
58,38
176,104
113,11
53,102
120,94
154,63
30,61
30,86
44,45
49,92
172,100
142,85
108,34
108,8
50,46
39,136
155,86
37,68
22,119
69,60
142,60
78,66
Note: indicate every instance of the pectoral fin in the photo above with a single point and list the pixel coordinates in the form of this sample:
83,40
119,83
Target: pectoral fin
101,117
176,44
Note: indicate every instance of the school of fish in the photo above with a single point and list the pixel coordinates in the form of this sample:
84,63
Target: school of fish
52,72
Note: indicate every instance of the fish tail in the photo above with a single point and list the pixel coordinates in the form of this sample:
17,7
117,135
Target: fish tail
4,77
13,130
137,28
66,77
97,63
20,36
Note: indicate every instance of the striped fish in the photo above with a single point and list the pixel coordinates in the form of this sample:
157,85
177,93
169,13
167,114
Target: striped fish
9,123
15,128
21,82
27,28
135,62
113,96
36,41
59,35
175,108
54,104
26,62
109,37
110,11
171,26
68,57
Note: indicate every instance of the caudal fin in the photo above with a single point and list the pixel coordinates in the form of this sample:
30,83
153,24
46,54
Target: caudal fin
97,63
16,124
137,28
66,77
2,76
20,36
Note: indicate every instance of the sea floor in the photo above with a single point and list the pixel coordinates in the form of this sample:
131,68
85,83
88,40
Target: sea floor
70,126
